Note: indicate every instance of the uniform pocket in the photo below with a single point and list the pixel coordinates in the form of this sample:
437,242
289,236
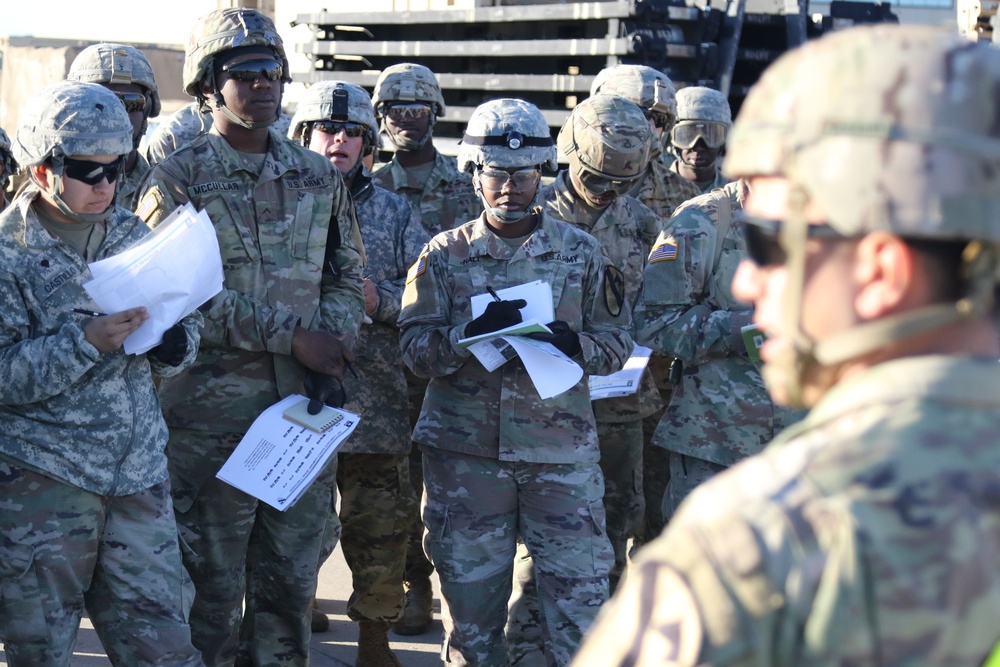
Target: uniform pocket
22,618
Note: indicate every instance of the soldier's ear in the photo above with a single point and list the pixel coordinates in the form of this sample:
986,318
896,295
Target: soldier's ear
42,175
206,89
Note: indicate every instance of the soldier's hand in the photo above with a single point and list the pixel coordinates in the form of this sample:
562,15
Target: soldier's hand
323,390
564,338
321,352
371,296
498,315
108,332
173,348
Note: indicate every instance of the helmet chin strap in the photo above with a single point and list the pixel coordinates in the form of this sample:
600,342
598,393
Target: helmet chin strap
405,143
503,216
220,104
87,218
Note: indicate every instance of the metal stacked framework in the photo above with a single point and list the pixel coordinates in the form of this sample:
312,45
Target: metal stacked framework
549,53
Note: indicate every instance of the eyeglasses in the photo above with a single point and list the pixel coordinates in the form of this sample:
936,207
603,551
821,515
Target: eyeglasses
687,133
251,70
599,184
92,173
403,111
132,101
336,127
495,179
659,119
762,237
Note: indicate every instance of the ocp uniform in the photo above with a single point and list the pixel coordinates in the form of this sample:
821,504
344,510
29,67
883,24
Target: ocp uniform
445,201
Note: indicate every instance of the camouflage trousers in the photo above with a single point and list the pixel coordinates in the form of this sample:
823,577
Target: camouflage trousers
476,509
417,568
63,550
686,472
621,464
375,496
235,547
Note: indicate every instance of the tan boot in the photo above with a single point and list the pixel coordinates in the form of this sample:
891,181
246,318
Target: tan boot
320,622
418,608
373,646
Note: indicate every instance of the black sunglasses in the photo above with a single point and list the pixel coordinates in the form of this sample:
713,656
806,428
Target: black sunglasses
251,70
336,127
132,101
92,173
763,242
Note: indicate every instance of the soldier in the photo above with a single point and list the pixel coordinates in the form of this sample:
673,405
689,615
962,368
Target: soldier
123,70
864,534
336,119
698,138
607,142
86,520
291,305
719,412
407,101
500,463
8,168
662,191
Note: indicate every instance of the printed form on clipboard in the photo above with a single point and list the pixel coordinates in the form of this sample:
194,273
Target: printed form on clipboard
551,371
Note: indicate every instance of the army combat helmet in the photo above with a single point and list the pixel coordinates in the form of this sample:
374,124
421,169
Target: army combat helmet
649,88
702,113
7,161
338,101
408,83
72,118
607,142
228,32
506,133
110,63
887,128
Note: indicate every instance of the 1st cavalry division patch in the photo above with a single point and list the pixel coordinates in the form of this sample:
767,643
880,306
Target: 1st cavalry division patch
614,290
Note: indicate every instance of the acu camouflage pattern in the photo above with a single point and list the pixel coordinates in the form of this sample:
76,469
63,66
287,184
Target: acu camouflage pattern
88,419
129,186
720,412
496,118
272,233
701,103
320,103
117,63
649,88
864,534
444,202
499,414
65,549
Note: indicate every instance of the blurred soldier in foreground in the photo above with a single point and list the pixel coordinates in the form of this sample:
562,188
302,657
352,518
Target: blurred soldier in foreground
86,521
8,167
500,462
867,533
126,72
698,138
291,305
336,119
407,101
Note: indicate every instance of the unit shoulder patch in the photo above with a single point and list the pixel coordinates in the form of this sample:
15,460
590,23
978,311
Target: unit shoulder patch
614,290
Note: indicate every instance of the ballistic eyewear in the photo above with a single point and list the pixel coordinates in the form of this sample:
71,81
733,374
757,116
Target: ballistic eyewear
686,134
599,184
336,127
92,173
132,101
763,242
404,111
251,70
659,119
495,179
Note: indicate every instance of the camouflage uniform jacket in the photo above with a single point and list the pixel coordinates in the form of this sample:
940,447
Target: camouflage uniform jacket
128,193
272,233
499,414
67,411
176,130
625,229
719,182
864,535
393,238
720,410
444,202
662,190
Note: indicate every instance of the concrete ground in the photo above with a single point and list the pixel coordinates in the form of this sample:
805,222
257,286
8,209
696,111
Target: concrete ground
335,648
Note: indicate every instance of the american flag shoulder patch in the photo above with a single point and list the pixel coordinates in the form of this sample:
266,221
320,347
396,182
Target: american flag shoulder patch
664,252
417,269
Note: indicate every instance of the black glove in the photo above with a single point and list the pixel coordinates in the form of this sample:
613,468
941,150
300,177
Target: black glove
323,390
172,348
564,338
498,315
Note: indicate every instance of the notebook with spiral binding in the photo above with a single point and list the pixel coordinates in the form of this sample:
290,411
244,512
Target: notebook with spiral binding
320,422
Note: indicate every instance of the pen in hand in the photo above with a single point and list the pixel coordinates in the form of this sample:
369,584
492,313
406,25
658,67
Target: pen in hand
88,313
493,293
351,369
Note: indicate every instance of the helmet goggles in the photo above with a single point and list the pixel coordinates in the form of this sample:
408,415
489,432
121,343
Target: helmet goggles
686,134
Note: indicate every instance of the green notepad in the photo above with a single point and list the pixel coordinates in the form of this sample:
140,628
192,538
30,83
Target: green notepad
320,422
753,338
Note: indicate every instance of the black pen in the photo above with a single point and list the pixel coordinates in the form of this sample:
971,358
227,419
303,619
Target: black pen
493,294
351,369
89,313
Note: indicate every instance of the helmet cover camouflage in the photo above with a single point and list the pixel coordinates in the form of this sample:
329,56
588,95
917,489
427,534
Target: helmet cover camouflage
6,159
224,30
72,118
701,103
117,63
650,88
408,82
887,127
507,133
335,100
608,135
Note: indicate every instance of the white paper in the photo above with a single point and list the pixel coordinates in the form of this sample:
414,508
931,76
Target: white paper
171,272
538,294
276,461
624,382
